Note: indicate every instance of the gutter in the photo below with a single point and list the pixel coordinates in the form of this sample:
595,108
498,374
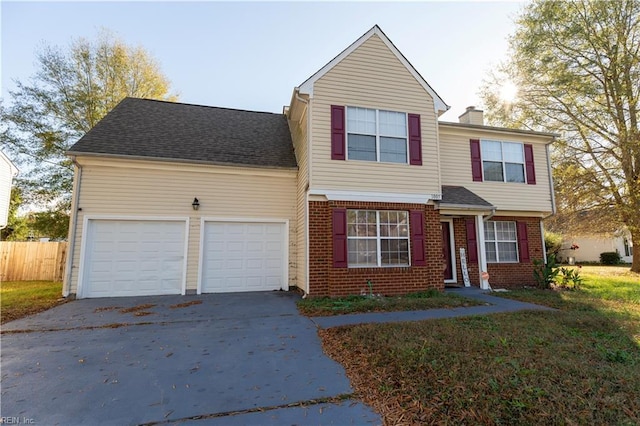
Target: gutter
72,228
296,93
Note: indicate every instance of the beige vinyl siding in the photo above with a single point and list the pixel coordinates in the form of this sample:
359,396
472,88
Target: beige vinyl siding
455,158
300,143
162,189
372,77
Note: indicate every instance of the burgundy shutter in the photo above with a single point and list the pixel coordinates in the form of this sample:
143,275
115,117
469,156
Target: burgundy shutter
415,140
523,242
476,160
337,133
339,219
418,255
529,165
472,241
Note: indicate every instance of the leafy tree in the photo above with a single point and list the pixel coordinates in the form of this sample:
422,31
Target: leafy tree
17,228
71,91
577,68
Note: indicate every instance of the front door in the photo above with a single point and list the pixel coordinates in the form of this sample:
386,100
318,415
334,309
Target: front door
446,251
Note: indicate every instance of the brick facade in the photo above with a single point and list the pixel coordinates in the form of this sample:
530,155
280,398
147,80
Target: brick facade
325,280
502,274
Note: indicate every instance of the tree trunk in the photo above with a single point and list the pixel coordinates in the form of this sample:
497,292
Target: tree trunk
635,240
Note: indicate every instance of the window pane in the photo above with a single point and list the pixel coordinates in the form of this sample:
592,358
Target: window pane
489,231
394,252
513,152
515,172
361,120
361,147
361,223
508,252
491,151
490,248
506,231
362,252
393,150
492,171
393,124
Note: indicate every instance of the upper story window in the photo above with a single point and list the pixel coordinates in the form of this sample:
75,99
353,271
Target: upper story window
503,161
501,241
376,135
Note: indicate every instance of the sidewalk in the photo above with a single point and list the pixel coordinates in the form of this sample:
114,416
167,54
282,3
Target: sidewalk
493,305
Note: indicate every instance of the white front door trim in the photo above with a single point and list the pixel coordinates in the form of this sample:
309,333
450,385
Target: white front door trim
285,257
452,248
83,246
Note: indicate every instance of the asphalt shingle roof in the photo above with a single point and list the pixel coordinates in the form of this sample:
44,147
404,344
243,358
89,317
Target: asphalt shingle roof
175,131
459,195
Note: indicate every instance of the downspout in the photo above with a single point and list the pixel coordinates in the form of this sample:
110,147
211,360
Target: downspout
72,227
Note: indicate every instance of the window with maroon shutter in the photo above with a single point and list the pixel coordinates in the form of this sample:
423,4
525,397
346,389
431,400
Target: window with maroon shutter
472,241
418,255
476,160
523,242
529,164
339,222
415,140
337,133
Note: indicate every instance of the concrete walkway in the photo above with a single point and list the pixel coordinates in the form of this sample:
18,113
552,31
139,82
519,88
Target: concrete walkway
492,305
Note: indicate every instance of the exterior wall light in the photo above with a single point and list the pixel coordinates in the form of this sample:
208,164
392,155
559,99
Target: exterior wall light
195,204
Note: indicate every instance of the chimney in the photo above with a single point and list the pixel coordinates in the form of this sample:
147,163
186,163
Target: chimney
472,116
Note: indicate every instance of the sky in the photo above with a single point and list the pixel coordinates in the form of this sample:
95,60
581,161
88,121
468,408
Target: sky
250,55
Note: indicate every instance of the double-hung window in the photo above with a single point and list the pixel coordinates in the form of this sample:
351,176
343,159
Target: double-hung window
376,135
377,238
501,241
503,161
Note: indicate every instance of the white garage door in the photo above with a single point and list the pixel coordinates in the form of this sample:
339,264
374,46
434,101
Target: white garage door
133,258
243,257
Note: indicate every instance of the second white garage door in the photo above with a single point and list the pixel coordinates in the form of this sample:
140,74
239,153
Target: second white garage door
241,256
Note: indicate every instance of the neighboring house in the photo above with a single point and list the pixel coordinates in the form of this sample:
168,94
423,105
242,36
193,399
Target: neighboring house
356,182
590,246
7,172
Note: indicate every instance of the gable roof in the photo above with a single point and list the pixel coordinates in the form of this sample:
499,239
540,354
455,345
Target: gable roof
144,128
13,170
307,86
459,196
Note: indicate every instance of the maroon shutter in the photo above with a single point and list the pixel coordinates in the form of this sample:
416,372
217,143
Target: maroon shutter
529,165
415,140
339,219
337,133
476,160
418,255
472,241
523,242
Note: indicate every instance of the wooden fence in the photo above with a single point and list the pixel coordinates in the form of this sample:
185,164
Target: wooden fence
27,261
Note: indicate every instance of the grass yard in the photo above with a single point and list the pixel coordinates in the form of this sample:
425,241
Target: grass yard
21,298
579,365
325,306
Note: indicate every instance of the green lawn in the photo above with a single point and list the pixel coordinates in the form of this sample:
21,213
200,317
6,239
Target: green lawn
578,365
21,298
355,304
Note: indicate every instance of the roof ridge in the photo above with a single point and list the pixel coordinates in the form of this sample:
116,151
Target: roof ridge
202,106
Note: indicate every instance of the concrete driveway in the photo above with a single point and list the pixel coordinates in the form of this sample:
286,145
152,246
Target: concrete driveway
215,359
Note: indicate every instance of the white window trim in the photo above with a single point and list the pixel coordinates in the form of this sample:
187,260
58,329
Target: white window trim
377,135
504,167
379,239
496,241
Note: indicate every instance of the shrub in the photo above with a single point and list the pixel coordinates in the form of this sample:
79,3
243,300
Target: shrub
545,273
610,258
570,279
552,243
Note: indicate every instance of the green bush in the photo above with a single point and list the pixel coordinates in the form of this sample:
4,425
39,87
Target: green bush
552,243
545,273
610,258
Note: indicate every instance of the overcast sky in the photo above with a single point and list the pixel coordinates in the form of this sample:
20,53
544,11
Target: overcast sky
250,55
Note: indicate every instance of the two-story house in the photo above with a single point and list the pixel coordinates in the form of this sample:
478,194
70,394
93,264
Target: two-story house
355,186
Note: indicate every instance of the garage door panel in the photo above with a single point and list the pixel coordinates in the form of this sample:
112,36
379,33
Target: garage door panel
133,257
243,257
